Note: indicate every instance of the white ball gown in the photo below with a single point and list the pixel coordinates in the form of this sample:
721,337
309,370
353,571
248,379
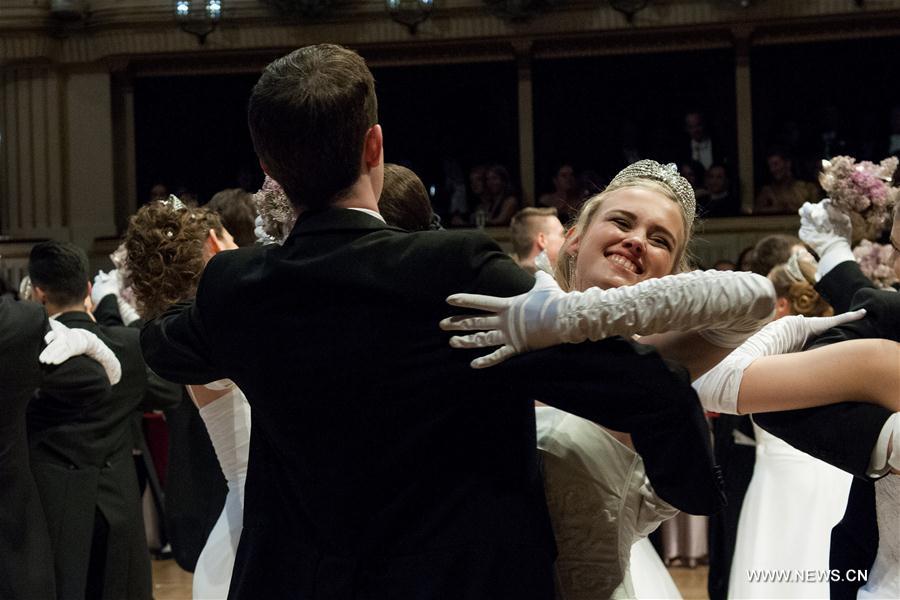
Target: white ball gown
884,577
791,505
227,420
600,504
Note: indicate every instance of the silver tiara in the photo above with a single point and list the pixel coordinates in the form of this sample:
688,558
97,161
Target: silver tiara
667,175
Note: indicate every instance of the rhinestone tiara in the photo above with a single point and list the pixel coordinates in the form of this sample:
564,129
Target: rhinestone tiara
667,175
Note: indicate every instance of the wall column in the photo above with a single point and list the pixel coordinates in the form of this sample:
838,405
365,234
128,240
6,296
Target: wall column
90,165
32,192
744,95
526,122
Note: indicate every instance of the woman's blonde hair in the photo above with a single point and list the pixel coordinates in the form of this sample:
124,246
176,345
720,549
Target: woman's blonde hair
564,270
799,291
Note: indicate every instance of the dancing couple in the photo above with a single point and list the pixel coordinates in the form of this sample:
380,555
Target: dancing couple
380,464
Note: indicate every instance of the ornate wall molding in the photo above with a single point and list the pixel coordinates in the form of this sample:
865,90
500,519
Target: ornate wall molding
146,28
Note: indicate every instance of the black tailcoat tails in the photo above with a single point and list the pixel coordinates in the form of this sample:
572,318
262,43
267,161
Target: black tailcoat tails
81,460
845,434
381,464
26,558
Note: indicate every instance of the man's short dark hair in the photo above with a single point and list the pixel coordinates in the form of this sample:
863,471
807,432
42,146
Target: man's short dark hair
308,116
60,269
523,231
238,213
771,251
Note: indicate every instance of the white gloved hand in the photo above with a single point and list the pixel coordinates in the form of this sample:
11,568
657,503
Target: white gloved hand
718,388
63,343
827,231
735,303
104,285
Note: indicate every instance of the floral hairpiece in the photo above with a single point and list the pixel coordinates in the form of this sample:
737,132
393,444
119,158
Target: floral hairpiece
861,190
275,210
792,268
876,261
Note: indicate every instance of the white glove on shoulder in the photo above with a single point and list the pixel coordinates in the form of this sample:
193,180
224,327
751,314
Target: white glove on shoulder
718,388
63,343
736,304
827,231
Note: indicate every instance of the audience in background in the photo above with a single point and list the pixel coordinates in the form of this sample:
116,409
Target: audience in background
785,194
718,201
536,230
499,201
700,145
566,196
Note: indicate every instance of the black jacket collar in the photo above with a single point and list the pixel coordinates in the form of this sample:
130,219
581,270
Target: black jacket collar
336,219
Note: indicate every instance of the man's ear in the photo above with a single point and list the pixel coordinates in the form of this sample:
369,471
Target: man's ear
541,241
213,244
372,152
38,294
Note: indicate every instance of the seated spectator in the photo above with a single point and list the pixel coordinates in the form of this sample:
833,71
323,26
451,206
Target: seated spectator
236,209
719,201
476,196
700,146
499,203
536,230
784,195
695,173
774,250
404,201
566,196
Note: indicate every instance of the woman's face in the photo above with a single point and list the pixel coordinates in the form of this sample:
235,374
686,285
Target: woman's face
634,235
494,182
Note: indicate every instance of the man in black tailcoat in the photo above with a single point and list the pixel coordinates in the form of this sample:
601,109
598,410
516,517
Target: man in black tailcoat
81,453
26,558
381,464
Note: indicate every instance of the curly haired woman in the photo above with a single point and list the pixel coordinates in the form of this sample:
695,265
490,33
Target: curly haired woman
168,246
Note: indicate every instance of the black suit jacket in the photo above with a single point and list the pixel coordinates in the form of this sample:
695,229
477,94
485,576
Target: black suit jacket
381,464
844,434
26,558
81,460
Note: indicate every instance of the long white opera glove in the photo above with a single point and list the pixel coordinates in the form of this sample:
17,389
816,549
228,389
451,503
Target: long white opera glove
728,306
827,231
227,420
718,388
111,283
64,343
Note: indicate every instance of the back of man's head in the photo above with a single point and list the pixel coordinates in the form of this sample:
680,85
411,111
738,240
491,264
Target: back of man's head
771,251
525,226
308,116
60,270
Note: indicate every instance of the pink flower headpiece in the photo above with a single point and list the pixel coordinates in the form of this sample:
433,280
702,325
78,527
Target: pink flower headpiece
877,263
862,190
275,210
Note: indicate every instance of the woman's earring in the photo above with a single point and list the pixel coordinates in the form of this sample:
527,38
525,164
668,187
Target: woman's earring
570,259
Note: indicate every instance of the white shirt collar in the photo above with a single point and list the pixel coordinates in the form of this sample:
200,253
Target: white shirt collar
370,212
